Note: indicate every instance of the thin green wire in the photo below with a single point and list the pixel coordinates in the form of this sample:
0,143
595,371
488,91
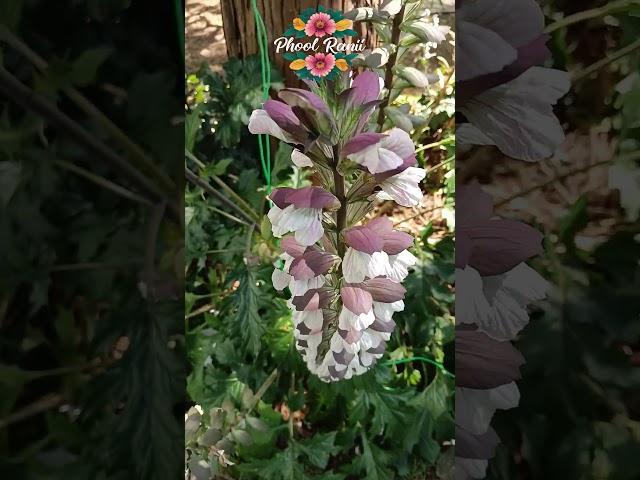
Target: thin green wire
265,71
423,359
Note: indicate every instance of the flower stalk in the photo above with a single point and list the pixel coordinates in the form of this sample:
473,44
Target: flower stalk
343,300
341,214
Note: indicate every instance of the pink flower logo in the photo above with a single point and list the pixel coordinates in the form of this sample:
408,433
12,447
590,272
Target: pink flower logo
319,25
320,64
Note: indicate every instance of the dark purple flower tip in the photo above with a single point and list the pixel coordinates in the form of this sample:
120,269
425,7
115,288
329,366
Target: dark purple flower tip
343,357
484,363
384,290
309,105
311,264
303,329
534,53
364,239
481,447
410,161
379,350
361,141
337,374
356,299
381,326
473,205
283,115
395,242
497,246
312,197
291,246
304,99
366,88
351,335
279,196
313,299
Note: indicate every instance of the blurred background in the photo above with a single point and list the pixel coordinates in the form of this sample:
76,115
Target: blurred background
580,405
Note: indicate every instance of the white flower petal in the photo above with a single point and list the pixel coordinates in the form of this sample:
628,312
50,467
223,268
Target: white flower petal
280,279
385,311
261,123
475,408
498,304
404,187
300,287
399,265
312,232
470,468
355,265
518,116
378,265
300,160
349,320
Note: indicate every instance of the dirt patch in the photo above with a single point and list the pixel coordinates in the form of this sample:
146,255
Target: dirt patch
205,41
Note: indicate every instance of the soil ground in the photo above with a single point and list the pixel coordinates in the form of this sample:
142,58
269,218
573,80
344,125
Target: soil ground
204,34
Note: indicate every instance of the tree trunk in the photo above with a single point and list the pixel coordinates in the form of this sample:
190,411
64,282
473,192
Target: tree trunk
240,27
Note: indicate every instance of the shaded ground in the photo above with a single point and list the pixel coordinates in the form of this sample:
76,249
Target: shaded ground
204,34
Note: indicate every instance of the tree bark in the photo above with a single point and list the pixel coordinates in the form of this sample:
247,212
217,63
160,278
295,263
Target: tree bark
240,27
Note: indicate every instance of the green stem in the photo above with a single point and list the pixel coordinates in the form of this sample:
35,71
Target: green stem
422,359
341,215
196,180
241,202
136,153
14,90
594,67
228,215
441,164
391,63
72,267
47,402
444,141
103,182
607,9
424,212
203,309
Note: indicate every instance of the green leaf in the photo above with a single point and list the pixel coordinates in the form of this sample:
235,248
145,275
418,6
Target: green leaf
85,67
574,221
246,321
282,466
319,448
9,180
11,13
192,124
373,461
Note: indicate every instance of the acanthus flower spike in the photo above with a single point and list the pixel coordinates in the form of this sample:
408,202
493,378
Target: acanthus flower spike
344,273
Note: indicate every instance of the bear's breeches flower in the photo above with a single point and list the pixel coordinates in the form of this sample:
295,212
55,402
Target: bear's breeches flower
343,272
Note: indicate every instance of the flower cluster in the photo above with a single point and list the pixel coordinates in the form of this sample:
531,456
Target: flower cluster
506,101
344,276
494,287
506,98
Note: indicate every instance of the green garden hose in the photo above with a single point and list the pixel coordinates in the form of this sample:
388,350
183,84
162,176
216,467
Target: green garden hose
422,359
